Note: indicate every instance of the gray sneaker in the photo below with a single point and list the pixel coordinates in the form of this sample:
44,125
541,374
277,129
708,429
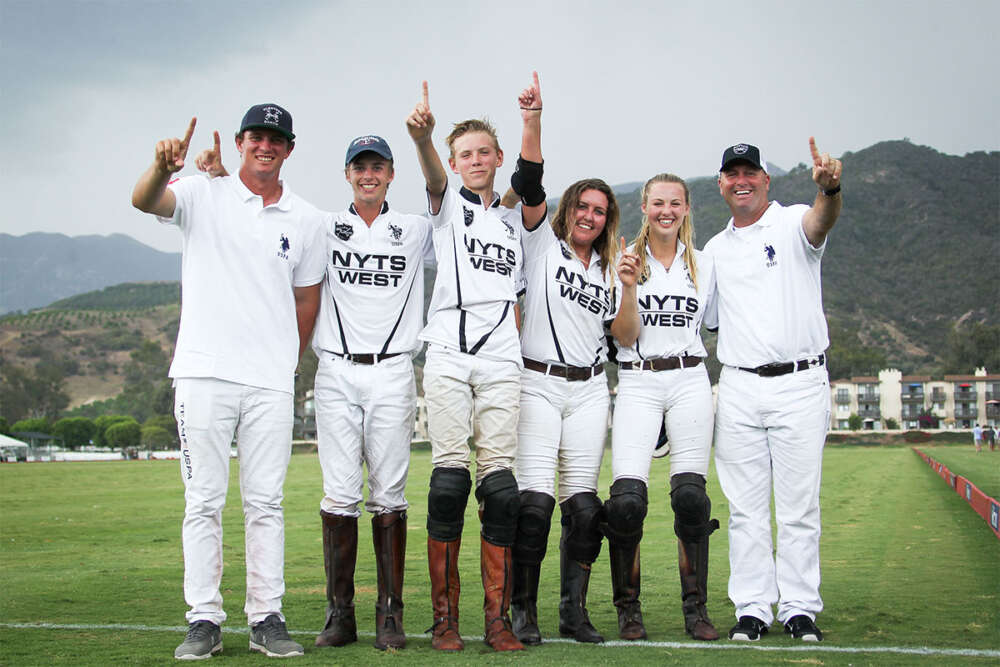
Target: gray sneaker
203,640
270,637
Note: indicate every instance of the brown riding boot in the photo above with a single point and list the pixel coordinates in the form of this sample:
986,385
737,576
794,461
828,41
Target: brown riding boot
625,578
692,560
389,538
340,553
498,583
443,560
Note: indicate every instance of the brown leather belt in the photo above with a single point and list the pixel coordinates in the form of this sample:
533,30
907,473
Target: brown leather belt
774,370
368,359
660,364
571,373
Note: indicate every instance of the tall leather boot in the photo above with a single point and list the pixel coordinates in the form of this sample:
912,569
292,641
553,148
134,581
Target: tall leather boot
443,560
389,538
574,621
524,603
692,561
625,577
340,554
496,565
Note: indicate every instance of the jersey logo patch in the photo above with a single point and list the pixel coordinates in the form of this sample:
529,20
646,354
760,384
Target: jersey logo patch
687,277
469,216
283,246
395,232
510,230
343,230
565,251
769,251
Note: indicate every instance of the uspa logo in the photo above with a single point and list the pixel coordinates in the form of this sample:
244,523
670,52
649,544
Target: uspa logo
995,516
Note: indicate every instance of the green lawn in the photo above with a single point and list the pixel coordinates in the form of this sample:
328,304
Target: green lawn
86,546
982,469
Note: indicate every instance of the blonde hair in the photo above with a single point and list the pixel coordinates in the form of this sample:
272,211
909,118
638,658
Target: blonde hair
472,125
685,234
562,222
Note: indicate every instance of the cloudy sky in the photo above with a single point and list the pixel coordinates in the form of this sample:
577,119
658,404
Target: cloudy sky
630,88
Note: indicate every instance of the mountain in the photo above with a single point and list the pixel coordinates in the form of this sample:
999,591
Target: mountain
37,269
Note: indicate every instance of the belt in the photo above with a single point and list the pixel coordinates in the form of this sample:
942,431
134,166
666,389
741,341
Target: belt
368,359
660,364
571,373
774,370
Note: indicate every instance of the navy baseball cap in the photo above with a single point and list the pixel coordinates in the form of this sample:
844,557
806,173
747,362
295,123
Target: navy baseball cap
269,117
368,142
743,153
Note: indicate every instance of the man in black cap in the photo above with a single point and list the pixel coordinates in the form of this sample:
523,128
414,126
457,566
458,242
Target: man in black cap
253,263
774,397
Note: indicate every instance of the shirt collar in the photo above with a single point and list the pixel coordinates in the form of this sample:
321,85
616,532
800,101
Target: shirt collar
385,208
284,203
471,196
765,220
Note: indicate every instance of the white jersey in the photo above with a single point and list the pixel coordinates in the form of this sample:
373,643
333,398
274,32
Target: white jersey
670,308
373,295
770,295
479,261
241,261
566,304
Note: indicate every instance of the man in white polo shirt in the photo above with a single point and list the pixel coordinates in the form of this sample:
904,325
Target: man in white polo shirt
251,274
366,397
774,398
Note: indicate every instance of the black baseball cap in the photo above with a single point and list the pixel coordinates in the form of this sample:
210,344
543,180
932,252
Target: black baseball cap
269,117
743,153
368,142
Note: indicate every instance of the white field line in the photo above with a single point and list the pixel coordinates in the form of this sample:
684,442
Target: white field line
714,646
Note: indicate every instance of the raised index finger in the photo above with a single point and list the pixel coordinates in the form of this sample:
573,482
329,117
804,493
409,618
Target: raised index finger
218,144
534,76
426,102
189,133
814,150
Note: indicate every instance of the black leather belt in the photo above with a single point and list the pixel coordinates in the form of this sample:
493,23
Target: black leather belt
571,373
660,364
774,370
368,359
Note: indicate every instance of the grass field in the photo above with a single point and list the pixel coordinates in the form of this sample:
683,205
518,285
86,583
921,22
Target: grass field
91,573
981,469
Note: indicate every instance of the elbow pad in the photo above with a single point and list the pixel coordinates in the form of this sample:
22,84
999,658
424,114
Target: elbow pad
527,182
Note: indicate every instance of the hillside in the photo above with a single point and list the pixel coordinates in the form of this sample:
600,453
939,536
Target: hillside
37,269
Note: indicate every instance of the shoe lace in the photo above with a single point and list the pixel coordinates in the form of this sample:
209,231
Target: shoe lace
198,631
272,628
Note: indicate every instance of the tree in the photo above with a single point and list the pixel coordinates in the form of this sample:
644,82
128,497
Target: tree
969,347
854,422
124,434
75,432
891,424
34,425
103,423
156,437
4,426
24,393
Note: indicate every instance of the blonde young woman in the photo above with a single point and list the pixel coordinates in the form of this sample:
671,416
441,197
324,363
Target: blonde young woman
663,288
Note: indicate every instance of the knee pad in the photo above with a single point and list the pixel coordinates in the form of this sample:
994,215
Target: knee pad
625,511
533,522
691,506
501,505
446,501
581,522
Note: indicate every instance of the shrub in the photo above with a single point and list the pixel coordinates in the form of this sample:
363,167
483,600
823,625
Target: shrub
917,436
124,434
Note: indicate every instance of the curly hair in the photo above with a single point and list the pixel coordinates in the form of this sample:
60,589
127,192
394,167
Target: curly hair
562,221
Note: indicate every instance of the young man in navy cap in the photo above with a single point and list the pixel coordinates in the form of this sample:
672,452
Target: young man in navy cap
252,267
366,336
774,396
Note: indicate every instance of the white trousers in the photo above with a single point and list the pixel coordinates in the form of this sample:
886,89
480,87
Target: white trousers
364,415
682,399
470,396
562,429
770,433
209,412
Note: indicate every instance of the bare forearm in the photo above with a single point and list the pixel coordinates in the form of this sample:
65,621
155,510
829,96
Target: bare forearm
821,218
150,194
625,327
306,308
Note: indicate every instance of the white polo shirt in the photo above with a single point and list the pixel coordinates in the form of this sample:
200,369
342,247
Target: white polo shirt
479,262
566,304
373,295
240,263
671,310
769,290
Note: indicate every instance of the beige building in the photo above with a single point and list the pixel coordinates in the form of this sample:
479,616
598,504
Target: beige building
957,401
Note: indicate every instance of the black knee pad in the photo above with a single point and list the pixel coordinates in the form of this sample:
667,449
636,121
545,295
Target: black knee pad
625,511
533,522
501,504
446,501
581,522
691,506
